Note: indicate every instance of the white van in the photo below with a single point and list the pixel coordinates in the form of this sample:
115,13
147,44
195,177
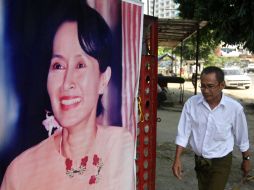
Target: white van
250,68
234,77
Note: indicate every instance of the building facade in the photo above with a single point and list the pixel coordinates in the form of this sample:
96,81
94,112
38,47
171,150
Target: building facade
161,8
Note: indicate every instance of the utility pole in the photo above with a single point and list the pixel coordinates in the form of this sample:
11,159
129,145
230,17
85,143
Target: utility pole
153,6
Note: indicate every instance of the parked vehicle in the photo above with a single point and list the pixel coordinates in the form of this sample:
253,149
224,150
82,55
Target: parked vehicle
250,68
234,77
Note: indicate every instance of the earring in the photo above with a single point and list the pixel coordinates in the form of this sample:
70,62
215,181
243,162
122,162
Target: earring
50,123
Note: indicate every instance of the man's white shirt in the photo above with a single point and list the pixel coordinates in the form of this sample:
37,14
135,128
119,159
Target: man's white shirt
212,133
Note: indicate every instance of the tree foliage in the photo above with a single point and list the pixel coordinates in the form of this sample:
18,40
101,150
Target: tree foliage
206,46
163,50
230,21
219,61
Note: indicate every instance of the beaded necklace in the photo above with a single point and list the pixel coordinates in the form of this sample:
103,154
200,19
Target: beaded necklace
71,171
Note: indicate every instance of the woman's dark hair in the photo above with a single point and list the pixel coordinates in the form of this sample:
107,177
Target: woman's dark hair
212,69
94,34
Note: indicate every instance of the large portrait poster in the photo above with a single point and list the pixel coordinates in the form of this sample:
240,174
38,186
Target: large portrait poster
69,73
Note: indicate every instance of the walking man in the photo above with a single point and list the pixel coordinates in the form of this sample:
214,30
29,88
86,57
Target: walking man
212,123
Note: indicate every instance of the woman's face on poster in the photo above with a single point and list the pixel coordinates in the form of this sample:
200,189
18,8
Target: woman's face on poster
74,79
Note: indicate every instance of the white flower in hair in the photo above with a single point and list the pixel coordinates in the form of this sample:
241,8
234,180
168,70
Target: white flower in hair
50,123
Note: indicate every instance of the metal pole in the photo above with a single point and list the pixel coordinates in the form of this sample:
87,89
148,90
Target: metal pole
174,62
197,57
148,7
153,6
181,59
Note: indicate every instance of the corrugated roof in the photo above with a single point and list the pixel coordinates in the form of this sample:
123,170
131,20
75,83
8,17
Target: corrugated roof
172,32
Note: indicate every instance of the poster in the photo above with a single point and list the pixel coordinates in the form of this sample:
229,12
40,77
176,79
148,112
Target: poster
37,66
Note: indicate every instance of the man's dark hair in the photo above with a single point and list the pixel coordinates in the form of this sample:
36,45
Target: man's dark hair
212,69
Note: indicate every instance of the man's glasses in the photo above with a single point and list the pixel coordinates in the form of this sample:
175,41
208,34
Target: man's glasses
208,87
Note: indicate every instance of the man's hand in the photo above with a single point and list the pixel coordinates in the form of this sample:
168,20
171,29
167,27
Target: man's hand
177,165
177,168
246,167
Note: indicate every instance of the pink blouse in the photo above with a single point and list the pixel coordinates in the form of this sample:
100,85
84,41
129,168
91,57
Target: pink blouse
109,165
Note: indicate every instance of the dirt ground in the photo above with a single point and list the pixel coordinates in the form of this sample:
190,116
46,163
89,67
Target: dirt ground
169,113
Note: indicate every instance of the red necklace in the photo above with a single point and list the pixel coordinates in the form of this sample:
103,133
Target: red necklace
70,171
80,170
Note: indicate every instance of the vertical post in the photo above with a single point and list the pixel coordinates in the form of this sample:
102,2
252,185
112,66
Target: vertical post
175,67
154,78
148,7
154,38
153,6
147,127
172,65
181,70
181,59
197,57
